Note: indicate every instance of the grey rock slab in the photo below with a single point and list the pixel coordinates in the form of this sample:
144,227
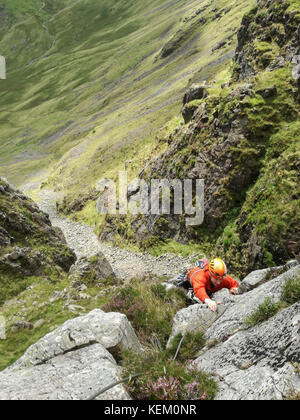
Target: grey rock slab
108,329
71,376
242,306
194,319
259,363
254,279
100,267
258,277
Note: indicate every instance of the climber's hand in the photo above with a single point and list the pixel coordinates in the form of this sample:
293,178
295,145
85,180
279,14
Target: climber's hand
212,304
234,291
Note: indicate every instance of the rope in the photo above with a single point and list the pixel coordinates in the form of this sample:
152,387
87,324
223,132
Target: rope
178,348
107,388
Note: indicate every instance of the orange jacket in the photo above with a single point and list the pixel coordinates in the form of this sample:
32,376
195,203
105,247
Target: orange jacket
200,281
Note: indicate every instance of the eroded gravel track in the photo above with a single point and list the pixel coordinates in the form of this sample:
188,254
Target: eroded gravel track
126,264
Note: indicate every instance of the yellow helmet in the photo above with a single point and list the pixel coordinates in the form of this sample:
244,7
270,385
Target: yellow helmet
217,268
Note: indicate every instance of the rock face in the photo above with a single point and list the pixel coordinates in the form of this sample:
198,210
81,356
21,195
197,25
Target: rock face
69,204
72,362
244,305
275,23
195,92
194,319
21,222
258,364
189,110
72,376
262,362
248,363
92,270
225,142
258,277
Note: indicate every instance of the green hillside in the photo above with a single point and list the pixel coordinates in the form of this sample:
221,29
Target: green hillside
243,141
97,86
90,83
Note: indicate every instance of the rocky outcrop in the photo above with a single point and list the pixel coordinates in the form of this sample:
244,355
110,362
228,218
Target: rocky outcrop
259,364
249,363
217,163
29,245
191,101
23,261
194,319
259,277
72,376
244,305
72,362
22,222
92,270
269,34
70,204
77,359
230,141
195,92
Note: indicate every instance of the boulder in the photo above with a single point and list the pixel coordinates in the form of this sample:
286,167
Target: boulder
195,92
260,363
108,329
254,279
188,111
133,188
92,270
194,319
268,92
21,325
70,376
24,261
73,361
258,277
5,238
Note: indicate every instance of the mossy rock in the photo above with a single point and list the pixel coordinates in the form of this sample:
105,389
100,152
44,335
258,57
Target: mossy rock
94,270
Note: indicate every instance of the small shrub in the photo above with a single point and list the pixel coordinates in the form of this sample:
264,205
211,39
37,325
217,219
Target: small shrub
159,291
291,291
189,348
164,379
130,303
149,308
265,311
178,296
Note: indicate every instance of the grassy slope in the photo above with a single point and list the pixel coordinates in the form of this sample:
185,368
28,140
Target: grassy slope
34,304
85,89
261,224
258,221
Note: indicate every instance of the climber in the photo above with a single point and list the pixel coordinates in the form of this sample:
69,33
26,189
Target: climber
206,279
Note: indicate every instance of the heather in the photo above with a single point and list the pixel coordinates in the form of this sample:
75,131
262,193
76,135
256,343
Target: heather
163,378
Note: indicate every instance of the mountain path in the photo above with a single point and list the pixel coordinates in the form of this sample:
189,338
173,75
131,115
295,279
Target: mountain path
125,263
